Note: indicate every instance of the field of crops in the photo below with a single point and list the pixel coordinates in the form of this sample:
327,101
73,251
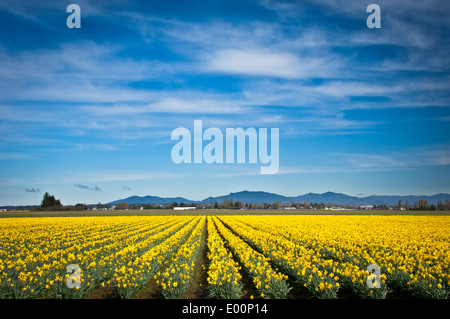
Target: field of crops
226,256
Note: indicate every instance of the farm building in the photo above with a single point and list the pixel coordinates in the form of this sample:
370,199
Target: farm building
184,208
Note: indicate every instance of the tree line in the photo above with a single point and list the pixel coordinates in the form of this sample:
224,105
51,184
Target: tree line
49,202
422,204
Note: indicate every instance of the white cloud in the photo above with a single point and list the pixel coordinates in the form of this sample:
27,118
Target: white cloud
431,155
256,63
129,176
355,88
219,105
174,102
10,156
77,72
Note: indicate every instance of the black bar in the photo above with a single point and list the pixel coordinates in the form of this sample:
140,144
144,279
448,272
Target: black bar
213,308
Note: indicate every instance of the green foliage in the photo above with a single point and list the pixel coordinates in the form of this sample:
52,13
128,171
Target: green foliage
50,201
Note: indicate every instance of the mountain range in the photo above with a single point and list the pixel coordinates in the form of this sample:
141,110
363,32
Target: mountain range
259,197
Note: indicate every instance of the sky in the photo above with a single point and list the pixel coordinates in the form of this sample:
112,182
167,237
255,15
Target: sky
86,114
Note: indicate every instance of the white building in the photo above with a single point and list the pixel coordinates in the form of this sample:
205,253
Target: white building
184,208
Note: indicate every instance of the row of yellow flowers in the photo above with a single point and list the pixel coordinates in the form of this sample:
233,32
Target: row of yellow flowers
323,254
269,282
174,280
100,265
35,252
411,252
132,273
224,279
295,260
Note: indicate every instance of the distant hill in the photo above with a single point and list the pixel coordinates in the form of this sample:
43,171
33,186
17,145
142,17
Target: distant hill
151,200
248,197
260,197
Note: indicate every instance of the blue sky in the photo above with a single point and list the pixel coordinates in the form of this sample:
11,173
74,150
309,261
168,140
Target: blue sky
87,114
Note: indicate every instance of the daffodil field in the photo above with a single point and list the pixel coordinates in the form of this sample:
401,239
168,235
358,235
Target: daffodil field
238,256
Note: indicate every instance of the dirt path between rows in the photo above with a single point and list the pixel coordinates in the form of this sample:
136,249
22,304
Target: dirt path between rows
197,289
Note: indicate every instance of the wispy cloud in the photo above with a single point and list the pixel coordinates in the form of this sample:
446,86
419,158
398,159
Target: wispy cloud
256,63
96,188
433,155
32,190
311,68
130,176
13,156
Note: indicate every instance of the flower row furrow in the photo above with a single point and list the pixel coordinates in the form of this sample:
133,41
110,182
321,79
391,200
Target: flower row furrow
175,279
224,279
269,283
130,277
406,251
